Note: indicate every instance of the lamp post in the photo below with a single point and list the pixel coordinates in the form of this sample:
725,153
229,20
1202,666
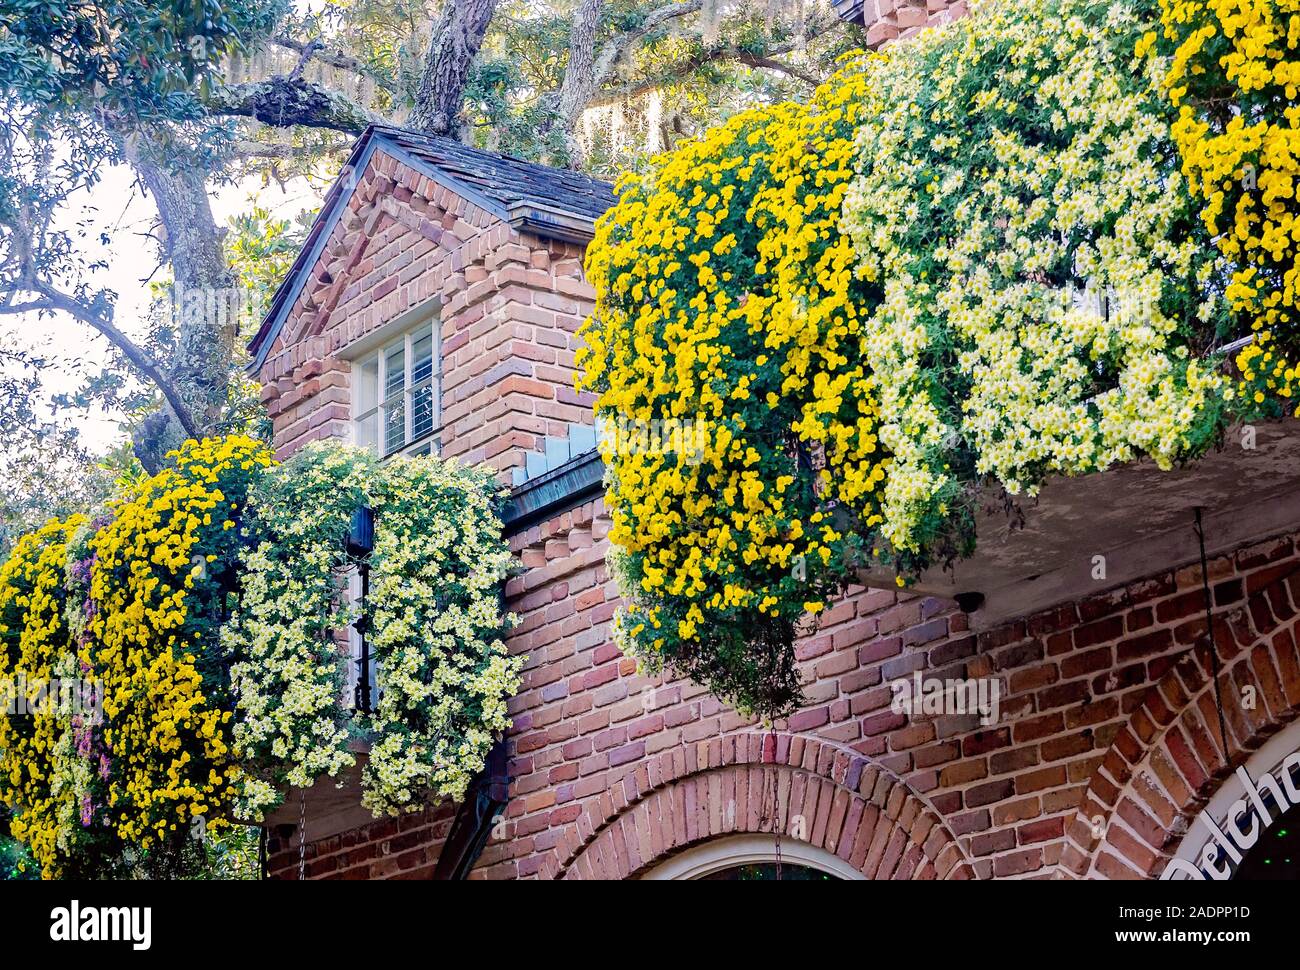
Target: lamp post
360,543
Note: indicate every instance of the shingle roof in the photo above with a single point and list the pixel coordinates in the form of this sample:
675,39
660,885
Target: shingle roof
549,202
512,182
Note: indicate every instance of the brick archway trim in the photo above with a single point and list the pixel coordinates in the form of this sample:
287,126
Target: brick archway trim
835,798
1168,760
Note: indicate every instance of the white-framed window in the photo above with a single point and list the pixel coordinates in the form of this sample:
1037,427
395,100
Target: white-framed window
396,401
752,856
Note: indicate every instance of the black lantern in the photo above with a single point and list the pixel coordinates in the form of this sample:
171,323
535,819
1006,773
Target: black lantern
361,534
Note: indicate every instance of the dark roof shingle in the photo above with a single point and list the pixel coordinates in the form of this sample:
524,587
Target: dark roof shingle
506,180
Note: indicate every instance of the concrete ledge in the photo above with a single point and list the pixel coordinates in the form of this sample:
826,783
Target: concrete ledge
578,480
330,809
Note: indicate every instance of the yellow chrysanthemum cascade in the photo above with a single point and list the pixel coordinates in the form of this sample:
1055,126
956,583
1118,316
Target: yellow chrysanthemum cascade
33,638
821,332
1234,73
159,584
120,744
739,422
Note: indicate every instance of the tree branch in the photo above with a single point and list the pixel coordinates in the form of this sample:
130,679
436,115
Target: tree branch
284,102
55,300
247,148
455,43
771,64
315,50
613,49
684,68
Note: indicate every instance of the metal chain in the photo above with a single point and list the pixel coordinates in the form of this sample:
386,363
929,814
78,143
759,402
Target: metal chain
1209,632
776,805
302,834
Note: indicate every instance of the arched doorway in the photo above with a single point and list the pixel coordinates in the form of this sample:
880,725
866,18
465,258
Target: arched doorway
1250,829
752,858
1145,812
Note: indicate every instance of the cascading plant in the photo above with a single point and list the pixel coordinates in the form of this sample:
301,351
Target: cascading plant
1232,71
204,610
433,616
742,437
1051,300
971,260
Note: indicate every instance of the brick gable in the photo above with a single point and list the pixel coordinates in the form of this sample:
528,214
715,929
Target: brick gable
509,304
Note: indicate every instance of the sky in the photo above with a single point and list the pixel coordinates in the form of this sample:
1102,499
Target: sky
125,213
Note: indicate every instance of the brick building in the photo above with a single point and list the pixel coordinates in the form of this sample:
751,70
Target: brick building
435,307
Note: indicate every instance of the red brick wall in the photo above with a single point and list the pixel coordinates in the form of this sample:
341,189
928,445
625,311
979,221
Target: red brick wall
511,304
1103,714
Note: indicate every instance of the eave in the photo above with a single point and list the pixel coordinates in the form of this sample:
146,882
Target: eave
1138,518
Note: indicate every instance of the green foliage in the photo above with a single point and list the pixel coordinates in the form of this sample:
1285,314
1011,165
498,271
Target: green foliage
44,471
145,58
232,853
434,616
16,862
261,248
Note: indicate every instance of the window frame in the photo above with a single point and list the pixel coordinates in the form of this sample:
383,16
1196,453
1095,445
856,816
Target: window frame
727,851
352,672
377,356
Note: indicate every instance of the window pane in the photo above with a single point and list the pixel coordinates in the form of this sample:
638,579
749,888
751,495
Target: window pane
422,355
394,370
394,426
365,385
422,416
367,431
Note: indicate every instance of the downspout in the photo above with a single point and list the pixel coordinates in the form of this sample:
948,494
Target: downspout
558,490
474,819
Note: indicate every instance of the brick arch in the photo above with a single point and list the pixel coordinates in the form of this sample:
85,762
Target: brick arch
850,807
1168,760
